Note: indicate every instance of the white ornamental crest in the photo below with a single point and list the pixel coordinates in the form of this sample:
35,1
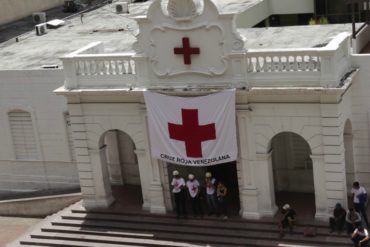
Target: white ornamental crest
181,8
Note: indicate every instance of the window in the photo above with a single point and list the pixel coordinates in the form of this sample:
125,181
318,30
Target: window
23,135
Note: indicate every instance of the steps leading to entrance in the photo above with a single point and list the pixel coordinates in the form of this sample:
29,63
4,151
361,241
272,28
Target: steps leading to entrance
77,227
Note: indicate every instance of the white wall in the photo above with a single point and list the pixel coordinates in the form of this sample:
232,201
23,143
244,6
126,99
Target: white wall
11,10
264,9
33,91
360,123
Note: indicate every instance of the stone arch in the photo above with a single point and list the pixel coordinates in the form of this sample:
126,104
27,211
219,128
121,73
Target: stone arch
96,131
348,154
292,164
120,157
292,171
120,167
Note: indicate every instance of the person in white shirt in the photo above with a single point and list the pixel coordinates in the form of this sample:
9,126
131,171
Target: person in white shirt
360,237
178,184
359,197
194,192
211,194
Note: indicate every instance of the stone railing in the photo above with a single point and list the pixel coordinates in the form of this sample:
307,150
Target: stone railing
283,61
88,67
318,67
104,64
323,66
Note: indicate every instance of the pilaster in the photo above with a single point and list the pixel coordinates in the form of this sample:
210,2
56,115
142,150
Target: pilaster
156,193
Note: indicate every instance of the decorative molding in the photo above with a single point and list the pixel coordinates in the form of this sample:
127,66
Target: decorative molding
215,70
181,10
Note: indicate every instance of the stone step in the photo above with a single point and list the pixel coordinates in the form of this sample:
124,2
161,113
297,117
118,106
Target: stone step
81,239
305,223
28,241
210,234
104,238
196,223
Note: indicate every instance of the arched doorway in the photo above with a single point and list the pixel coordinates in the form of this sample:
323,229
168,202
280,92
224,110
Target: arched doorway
348,155
293,172
117,152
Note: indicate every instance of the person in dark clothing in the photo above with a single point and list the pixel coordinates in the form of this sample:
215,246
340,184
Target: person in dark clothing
338,219
287,219
222,198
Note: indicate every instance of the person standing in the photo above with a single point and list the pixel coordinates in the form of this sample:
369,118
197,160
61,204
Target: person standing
222,198
211,194
194,191
178,184
338,219
359,197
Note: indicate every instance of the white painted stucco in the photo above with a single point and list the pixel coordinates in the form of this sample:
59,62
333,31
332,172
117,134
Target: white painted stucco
284,86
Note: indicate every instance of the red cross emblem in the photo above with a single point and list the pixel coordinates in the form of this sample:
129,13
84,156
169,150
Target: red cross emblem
186,50
192,133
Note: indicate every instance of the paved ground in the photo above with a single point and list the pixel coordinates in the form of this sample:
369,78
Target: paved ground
13,227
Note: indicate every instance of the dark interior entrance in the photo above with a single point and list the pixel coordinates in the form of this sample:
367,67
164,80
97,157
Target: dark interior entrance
226,173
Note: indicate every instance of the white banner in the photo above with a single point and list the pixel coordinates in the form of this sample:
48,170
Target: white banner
197,131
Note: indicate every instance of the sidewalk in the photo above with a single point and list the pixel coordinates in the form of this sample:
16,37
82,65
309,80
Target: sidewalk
13,227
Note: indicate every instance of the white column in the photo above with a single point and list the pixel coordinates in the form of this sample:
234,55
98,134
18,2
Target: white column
265,185
319,177
247,189
156,193
157,205
103,193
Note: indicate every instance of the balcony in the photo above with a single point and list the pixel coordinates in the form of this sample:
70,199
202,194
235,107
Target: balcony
323,67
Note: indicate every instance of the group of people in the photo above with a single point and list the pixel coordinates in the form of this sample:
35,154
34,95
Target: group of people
216,195
354,219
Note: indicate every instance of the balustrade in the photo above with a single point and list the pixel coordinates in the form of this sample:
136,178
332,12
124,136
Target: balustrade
104,65
280,61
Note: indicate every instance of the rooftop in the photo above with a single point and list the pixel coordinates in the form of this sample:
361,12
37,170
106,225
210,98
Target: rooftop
118,34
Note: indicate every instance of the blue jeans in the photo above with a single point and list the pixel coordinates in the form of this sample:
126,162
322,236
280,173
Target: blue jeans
212,204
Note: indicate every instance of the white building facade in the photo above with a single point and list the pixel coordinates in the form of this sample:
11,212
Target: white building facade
302,113
299,123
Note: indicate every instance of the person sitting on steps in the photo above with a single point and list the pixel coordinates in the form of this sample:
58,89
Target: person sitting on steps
338,219
353,220
287,219
360,237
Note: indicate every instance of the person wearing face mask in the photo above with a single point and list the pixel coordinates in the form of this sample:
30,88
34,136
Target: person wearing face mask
178,184
194,192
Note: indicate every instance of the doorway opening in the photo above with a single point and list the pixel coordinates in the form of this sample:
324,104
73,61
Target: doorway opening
293,173
117,152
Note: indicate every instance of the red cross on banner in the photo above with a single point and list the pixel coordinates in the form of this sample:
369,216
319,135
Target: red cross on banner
186,50
192,133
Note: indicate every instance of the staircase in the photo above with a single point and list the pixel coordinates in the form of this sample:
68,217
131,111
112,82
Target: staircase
74,226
